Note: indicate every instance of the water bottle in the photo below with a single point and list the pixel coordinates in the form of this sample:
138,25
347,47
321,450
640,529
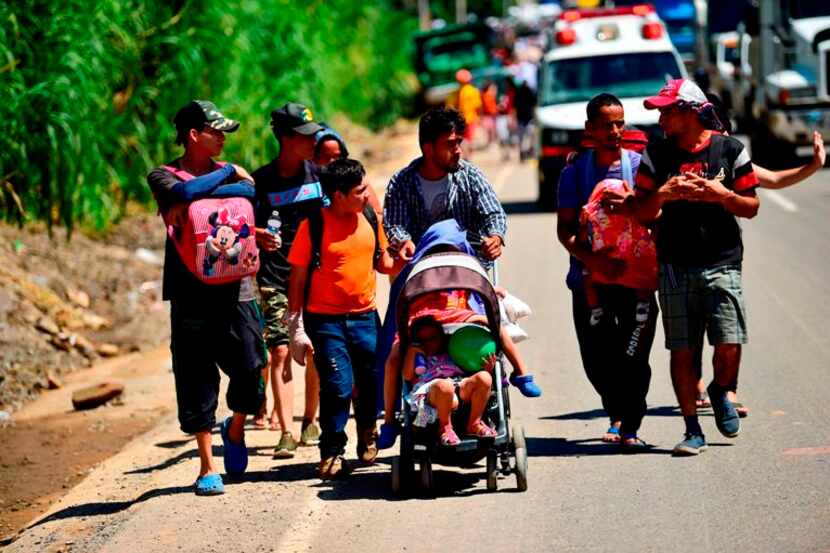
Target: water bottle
274,223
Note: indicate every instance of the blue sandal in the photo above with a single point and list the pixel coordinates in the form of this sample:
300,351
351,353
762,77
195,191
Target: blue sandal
210,484
236,455
526,385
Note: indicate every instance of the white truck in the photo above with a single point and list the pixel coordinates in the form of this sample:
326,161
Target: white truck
624,51
787,43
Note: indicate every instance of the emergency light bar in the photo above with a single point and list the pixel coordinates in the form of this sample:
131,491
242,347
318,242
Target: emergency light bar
575,15
565,35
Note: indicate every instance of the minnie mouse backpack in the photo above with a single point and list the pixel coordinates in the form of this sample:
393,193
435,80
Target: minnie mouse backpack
214,236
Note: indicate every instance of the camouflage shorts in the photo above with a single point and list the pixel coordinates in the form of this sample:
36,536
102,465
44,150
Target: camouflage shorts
274,307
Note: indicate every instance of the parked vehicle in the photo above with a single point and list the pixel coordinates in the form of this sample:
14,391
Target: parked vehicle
439,53
788,49
624,51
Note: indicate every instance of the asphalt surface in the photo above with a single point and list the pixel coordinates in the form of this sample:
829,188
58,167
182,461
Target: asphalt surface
766,491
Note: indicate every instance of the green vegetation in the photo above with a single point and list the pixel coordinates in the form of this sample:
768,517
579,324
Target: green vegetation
90,88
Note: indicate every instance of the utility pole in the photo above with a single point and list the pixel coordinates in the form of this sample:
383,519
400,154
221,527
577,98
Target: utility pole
461,11
423,14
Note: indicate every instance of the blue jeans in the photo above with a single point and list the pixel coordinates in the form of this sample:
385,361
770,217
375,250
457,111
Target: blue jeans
344,352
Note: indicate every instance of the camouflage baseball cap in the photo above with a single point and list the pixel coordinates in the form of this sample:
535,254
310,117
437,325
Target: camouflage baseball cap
199,113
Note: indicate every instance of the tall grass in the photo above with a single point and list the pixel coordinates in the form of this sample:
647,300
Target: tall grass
89,88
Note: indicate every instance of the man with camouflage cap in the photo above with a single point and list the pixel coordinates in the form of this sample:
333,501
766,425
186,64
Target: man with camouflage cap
203,314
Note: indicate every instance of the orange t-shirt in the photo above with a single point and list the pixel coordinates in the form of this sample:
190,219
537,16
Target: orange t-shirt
345,281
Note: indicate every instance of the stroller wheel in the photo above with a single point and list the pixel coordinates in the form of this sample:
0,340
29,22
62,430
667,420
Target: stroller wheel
518,433
521,459
426,475
492,470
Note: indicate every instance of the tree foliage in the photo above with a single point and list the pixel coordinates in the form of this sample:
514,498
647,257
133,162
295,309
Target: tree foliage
90,88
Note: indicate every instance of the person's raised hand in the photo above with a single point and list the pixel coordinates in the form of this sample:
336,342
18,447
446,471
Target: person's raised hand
491,247
819,155
267,241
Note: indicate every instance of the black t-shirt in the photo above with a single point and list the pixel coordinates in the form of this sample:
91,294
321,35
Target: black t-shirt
295,198
179,285
698,234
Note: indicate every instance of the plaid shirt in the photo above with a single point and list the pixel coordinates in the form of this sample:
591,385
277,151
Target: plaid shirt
471,201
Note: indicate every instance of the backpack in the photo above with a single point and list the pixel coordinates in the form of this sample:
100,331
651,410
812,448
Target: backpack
622,237
315,229
214,237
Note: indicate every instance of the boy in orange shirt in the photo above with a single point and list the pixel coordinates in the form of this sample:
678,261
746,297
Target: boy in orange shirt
333,296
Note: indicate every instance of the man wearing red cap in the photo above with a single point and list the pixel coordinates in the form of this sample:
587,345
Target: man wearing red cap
695,183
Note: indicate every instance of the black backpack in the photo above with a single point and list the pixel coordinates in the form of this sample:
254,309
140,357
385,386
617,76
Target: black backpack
315,228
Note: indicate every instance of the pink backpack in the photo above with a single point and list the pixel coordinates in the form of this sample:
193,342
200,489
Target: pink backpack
621,237
214,236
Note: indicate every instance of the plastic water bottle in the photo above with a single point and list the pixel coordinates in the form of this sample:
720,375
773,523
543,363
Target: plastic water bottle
274,223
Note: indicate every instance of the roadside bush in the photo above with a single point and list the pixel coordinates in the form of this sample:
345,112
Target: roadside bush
90,88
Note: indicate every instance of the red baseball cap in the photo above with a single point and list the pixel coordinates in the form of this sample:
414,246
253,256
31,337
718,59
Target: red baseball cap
676,90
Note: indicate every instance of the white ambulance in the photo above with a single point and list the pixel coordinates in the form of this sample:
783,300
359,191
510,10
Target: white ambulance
623,51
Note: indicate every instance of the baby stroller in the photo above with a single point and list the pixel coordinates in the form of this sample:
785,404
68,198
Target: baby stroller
506,453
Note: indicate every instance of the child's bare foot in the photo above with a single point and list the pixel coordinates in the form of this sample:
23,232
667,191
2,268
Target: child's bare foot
273,421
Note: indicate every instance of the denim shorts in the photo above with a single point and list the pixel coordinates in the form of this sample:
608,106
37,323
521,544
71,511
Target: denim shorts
695,300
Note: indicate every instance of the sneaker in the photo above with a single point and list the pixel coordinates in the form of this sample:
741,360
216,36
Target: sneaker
726,416
367,445
692,444
310,434
286,448
332,468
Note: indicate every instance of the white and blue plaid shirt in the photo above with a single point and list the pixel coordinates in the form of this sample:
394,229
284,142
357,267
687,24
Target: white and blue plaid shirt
471,201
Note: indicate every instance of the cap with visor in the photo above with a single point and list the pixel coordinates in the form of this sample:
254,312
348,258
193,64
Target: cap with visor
199,114
675,91
295,117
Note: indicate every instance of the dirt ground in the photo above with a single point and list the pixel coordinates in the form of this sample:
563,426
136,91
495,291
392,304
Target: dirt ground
65,308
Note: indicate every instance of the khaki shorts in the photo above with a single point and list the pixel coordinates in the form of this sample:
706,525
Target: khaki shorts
274,307
697,300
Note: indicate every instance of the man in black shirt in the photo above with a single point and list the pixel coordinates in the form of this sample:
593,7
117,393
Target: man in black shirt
209,326
696,183
288,185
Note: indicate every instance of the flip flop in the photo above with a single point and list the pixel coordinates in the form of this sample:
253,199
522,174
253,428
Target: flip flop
209,484
743,410
702,402
637,446
612,435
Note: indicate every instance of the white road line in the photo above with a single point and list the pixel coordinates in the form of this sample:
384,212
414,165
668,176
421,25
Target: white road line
780,200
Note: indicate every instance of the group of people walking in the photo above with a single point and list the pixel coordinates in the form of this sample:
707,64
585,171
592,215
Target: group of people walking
690,188
322,237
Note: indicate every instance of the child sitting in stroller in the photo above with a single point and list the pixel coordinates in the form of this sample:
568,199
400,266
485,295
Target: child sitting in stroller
439,385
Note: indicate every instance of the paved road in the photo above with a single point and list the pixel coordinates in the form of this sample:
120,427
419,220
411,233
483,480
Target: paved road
767,491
